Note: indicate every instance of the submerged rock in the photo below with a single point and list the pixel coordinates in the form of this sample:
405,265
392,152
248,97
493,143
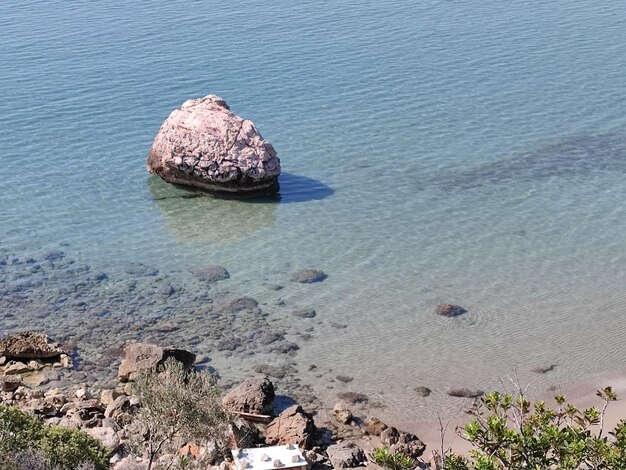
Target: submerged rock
308,276
211,273
449,310
304,313
205,145
353,397
465,393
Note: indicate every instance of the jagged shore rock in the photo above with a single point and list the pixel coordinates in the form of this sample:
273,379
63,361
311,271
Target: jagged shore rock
144,356
29,345
205,145
255,395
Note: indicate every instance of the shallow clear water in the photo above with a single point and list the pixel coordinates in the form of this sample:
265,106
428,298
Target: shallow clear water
435,151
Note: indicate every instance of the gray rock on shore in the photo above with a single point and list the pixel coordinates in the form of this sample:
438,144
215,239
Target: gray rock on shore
145,356
345,455
255,395
292,426
205,145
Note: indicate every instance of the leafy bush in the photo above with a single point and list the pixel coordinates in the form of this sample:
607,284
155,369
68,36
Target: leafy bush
510,433
180,407
68,448
392,460
26,443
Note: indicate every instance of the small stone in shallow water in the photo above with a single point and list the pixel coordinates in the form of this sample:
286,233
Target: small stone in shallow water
543,369
212,273
308,276
140,269
278,372
465,393
422,391
340,326
165,289
449,310
53,255
344,378
304,313
243,303
353,397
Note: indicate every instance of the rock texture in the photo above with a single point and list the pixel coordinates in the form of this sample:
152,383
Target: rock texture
345,455
205,145
255,395
143,356
29,345
292,426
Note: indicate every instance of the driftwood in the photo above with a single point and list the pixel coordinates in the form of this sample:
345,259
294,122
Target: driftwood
254,417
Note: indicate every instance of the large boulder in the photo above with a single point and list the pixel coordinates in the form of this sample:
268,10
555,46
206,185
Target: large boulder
205,145
292,426
29,345
145,356
255,395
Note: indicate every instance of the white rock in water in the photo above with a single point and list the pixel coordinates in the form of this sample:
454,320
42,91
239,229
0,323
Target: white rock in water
205,145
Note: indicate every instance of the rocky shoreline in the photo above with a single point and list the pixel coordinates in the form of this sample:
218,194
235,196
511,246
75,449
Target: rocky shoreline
106,413
94,314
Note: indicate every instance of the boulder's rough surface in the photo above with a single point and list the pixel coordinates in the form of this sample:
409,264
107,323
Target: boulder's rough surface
205,145
255,395
292,426
144,356
29,345
345,455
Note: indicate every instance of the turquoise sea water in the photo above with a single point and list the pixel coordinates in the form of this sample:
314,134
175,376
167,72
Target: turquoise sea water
470,152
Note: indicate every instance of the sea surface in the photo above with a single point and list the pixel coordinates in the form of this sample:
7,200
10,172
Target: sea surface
470,152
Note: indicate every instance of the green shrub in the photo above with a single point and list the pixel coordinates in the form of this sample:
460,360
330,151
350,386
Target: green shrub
18,430
180,407
24,438
511,433
392,460
68,448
